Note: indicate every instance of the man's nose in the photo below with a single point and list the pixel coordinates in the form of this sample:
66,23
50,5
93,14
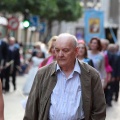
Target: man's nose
60,53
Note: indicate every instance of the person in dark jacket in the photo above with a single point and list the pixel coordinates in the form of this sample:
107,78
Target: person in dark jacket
113,61
13,59
117,80
3,59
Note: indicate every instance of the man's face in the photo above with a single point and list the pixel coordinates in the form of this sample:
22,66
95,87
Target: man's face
65,52
11,42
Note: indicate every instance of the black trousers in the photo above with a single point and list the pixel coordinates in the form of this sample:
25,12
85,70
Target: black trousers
83,119
8,75
116,89
109,93
2,77
13,75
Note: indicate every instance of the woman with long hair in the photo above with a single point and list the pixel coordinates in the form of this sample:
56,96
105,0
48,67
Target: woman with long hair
98,59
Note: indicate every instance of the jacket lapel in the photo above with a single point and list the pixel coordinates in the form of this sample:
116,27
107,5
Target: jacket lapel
86,90
52,80
49,86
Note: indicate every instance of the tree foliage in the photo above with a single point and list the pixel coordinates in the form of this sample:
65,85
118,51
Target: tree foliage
68,10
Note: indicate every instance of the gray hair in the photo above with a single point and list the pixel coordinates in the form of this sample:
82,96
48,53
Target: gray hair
105,41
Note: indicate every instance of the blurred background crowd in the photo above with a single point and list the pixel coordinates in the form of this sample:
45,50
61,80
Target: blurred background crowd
99,53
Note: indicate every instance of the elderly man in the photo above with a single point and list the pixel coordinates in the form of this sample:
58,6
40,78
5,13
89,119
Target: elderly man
66,89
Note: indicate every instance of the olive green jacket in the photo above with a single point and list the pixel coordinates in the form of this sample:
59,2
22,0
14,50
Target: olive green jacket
38,103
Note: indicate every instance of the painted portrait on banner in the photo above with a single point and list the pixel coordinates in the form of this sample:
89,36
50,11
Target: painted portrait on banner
94,25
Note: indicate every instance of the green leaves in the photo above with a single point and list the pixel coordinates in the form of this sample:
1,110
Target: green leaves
48,9
68,10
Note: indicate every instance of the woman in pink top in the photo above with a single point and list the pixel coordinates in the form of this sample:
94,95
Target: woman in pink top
51,50
108,89
108,68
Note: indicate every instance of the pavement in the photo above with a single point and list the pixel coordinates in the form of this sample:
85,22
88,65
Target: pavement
14,110
12,101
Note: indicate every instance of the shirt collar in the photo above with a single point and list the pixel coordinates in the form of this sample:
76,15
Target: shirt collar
76,67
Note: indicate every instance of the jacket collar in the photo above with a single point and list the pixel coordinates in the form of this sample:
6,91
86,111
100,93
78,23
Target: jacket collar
76,67
53,68
82,67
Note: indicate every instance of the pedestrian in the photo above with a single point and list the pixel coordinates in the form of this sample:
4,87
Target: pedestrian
82,53
13,58
3,59
51,51
37,47
108,68
35,61
116,73
1,103
66,89
97,57
113,61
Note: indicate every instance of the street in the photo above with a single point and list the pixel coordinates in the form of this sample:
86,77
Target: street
12,101
15,111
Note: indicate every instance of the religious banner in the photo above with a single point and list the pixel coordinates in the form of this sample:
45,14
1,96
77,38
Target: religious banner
94,24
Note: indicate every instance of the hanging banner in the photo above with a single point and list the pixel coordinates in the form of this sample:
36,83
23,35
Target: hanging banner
94,24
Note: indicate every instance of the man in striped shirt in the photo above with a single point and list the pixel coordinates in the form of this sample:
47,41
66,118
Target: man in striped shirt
66,89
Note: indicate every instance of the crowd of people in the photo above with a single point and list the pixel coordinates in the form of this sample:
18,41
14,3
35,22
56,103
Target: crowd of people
101,55
106,60
97,64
